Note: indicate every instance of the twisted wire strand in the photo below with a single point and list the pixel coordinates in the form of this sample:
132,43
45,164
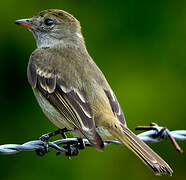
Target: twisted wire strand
154,135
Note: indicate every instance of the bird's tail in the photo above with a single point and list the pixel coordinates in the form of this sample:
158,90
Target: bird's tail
144,152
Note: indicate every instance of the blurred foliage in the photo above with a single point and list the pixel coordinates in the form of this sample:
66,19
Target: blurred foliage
140,47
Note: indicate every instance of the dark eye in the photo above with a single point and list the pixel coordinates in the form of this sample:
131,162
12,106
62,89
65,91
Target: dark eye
49,22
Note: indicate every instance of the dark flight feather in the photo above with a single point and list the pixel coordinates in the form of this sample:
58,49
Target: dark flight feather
115,107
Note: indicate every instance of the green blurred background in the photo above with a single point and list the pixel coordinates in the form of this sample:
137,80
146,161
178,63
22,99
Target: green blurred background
140,47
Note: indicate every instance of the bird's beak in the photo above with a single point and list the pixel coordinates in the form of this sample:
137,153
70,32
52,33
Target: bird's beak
25,23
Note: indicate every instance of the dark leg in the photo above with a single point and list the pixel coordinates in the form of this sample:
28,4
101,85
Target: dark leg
74,148
47,136
81,144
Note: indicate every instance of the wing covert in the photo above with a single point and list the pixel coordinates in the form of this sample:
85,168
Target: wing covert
71,102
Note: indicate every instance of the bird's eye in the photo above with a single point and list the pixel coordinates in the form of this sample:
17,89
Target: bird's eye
49,22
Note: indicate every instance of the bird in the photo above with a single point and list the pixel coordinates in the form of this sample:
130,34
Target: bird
73,92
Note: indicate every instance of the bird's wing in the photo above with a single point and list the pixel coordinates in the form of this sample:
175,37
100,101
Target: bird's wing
71,102
116,109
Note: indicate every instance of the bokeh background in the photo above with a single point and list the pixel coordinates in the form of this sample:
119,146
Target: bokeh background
141,48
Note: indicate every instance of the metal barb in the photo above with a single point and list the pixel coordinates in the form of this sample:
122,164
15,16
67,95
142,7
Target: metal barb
161,133
153,133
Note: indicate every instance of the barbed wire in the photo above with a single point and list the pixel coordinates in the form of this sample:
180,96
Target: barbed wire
72,146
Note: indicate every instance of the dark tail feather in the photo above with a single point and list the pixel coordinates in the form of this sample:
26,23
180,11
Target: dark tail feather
144,152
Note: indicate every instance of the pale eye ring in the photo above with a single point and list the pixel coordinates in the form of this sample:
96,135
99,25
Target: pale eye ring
49,22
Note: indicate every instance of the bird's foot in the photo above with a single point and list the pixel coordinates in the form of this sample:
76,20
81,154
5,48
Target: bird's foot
73,148
45,138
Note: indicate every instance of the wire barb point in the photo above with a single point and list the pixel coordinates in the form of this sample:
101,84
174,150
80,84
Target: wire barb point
72,146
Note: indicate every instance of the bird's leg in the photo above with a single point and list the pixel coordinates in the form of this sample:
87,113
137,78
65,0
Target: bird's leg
47,136
81,144
73,148
62,132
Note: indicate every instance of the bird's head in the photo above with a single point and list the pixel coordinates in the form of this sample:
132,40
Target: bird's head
51,26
